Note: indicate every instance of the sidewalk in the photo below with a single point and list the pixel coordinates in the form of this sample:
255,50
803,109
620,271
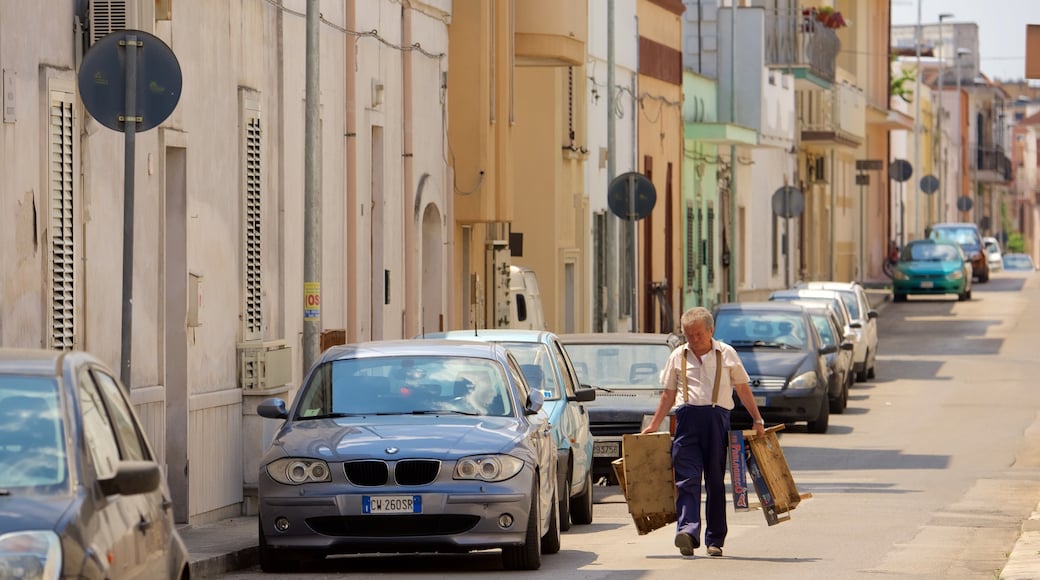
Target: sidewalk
231,544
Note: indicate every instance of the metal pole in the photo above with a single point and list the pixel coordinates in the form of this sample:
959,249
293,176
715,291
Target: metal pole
129,143
312,198
917,119
960,137
734,238
631,226
612,220
938,122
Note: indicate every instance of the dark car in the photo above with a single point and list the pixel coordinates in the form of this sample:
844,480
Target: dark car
841,372
409,446
547,367
625,367
83,496
931,267
784,357
968,237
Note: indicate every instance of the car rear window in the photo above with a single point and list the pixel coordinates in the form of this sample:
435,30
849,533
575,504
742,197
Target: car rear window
619,365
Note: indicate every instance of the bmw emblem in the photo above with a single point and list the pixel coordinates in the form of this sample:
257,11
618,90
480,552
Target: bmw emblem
756,383
391,450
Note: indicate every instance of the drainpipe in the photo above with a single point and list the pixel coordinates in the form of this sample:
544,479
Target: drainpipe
411,211
612,220
734,235
353,217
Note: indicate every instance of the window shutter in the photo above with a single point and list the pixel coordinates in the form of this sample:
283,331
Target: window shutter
252,262
106,17
61,221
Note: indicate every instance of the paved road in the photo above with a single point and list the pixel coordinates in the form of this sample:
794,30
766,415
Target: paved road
930,473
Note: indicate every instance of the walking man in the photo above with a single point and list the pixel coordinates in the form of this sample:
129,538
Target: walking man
699,380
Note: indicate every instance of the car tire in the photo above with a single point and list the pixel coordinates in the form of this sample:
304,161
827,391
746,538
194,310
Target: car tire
581,506
822,420
984,277
899,298
838,405
964,296
563,488
551,539
526,556
862,376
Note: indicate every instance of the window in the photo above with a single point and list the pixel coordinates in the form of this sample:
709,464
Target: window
122,419
97,429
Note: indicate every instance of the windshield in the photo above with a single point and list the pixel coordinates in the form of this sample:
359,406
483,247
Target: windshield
761,329
32,442
401,385
965,236
537,364
930,253
619,365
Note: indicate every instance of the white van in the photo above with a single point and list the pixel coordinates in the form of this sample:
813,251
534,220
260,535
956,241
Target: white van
525,302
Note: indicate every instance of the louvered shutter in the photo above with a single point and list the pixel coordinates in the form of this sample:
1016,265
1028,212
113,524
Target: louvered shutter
106,17
61,221
252,262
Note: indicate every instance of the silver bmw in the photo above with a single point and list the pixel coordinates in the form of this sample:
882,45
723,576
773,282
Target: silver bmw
409,446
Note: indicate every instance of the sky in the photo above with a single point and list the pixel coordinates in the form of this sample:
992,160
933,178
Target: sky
1002,28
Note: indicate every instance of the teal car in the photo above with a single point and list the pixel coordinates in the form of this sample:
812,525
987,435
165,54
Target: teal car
931,267
547,368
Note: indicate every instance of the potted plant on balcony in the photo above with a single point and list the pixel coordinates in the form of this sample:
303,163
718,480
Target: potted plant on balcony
827,16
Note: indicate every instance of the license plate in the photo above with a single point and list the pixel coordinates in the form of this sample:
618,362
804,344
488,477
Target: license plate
606,449
927,284
760,401
391,504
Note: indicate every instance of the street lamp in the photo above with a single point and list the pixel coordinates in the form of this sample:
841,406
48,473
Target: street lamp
939,117
960,136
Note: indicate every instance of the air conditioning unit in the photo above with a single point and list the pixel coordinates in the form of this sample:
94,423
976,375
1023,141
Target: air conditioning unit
264,365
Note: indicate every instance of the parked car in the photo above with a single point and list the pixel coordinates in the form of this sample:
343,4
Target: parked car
968,237
863,318
409,446
931,267
547,368
789,382
991,247
840,373
852,331
1019,262
625,368
83,496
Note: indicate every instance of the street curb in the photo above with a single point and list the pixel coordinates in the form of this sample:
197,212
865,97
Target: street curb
1025,556
223,563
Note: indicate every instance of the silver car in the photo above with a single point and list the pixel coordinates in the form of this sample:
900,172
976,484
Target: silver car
410,446
863,318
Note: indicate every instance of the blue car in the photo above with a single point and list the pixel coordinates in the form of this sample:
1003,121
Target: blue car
932,267
409,446
547,368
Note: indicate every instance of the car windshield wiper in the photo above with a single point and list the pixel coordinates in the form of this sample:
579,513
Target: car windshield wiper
329,416
444,412
604,389
761,344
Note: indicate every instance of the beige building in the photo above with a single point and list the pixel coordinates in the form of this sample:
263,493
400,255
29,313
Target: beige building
516,136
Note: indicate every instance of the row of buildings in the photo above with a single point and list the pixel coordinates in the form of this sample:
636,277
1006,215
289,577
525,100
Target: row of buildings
456,138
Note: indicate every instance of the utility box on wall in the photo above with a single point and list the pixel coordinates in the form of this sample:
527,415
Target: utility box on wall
264,365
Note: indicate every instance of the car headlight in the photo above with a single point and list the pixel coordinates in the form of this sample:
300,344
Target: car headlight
956,275
488,467
803,382
898,274
35,554
297,471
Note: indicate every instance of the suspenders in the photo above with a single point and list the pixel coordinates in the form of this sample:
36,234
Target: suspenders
718,375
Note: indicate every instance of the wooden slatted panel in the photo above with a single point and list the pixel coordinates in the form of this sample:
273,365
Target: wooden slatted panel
215,449
106,17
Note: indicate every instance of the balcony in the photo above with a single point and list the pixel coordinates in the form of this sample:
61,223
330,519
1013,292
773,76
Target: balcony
556,40
834,117
992,165
802,46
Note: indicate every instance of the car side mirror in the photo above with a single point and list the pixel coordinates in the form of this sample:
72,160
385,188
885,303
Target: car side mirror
133,478
583,395
535,400
847,345
273,408
872,313
829,349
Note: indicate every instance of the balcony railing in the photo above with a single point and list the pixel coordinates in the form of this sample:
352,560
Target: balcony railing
797,42
992,165
837,116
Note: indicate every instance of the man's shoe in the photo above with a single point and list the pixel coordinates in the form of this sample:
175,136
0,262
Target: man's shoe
685,543
714,551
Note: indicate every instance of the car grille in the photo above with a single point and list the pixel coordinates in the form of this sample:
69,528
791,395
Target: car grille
367,473
416,472
385,526
372,473
768,383
615,428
